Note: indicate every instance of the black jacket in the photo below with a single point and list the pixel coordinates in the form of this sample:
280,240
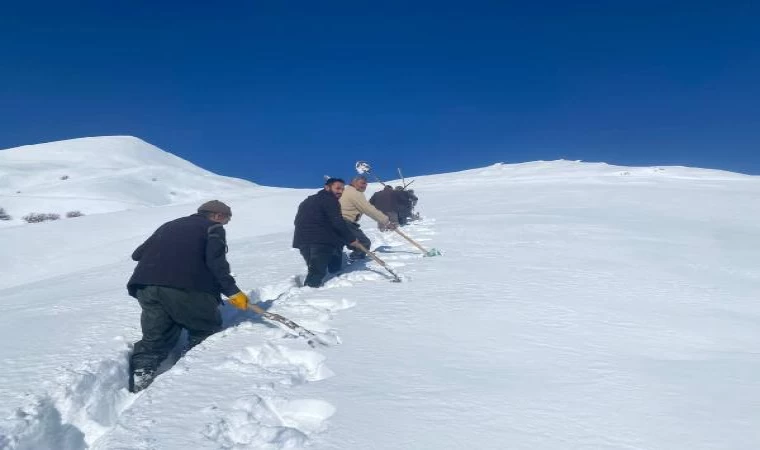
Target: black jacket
319,221
186,253
404,202
385,200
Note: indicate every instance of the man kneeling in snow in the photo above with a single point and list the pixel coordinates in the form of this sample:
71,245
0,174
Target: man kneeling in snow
181,271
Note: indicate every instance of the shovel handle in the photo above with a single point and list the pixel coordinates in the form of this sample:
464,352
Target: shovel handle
375,177
361,247
411,240
371,254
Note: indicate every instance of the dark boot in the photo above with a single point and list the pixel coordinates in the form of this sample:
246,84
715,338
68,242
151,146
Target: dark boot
140,379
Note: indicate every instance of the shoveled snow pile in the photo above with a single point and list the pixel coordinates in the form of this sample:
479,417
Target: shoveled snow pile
101,174
575,306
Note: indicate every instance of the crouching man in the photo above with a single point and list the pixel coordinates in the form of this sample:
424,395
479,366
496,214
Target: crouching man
181,272
353,204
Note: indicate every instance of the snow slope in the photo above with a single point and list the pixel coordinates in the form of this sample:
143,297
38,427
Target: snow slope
101,174
576,305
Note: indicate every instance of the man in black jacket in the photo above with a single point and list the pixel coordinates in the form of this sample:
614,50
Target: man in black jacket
388,202
405,202
181,272
321,232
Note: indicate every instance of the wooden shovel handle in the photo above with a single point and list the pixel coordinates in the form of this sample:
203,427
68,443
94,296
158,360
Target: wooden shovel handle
411,240
371,254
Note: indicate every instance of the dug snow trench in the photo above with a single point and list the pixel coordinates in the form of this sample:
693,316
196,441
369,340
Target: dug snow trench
89,407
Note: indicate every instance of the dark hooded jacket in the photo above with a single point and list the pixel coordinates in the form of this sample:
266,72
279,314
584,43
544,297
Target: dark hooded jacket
319,221
385,200
187,253
404,202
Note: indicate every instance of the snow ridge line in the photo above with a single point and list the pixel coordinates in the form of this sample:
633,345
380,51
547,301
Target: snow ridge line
83,405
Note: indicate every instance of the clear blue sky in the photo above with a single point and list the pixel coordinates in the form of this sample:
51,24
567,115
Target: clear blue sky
282,92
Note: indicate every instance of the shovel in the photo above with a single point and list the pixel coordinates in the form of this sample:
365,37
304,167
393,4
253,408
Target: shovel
310,337
431,252
361,247
363,167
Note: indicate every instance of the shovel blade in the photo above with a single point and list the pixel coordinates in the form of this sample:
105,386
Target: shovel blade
433,252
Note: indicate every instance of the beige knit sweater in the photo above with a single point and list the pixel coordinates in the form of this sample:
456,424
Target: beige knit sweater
353,204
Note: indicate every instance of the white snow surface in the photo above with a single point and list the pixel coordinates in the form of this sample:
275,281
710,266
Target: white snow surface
99,175
575,306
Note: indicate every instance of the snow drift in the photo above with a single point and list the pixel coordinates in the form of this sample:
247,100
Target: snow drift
576,305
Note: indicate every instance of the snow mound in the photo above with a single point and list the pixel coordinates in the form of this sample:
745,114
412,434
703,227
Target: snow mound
563,171
102,174
575,305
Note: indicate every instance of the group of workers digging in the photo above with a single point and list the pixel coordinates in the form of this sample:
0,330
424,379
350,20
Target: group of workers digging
182,268
329,220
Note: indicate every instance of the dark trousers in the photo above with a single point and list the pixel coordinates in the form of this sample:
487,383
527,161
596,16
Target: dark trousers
320,259
403,216
165,312
356,230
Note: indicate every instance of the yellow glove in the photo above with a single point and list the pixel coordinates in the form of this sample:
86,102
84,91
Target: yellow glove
239,300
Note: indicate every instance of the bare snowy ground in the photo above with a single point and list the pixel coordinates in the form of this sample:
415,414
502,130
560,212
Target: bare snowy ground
575,306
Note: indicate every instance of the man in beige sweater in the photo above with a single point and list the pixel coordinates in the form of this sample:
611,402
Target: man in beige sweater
353,204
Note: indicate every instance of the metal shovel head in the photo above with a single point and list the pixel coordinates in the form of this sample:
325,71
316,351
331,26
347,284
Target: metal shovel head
363,167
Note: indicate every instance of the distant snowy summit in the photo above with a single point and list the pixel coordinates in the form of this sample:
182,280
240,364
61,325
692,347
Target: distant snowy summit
102,174
566,171
568,168
115,173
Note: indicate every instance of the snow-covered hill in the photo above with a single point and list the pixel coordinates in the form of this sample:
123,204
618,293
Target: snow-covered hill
576,306
102,174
